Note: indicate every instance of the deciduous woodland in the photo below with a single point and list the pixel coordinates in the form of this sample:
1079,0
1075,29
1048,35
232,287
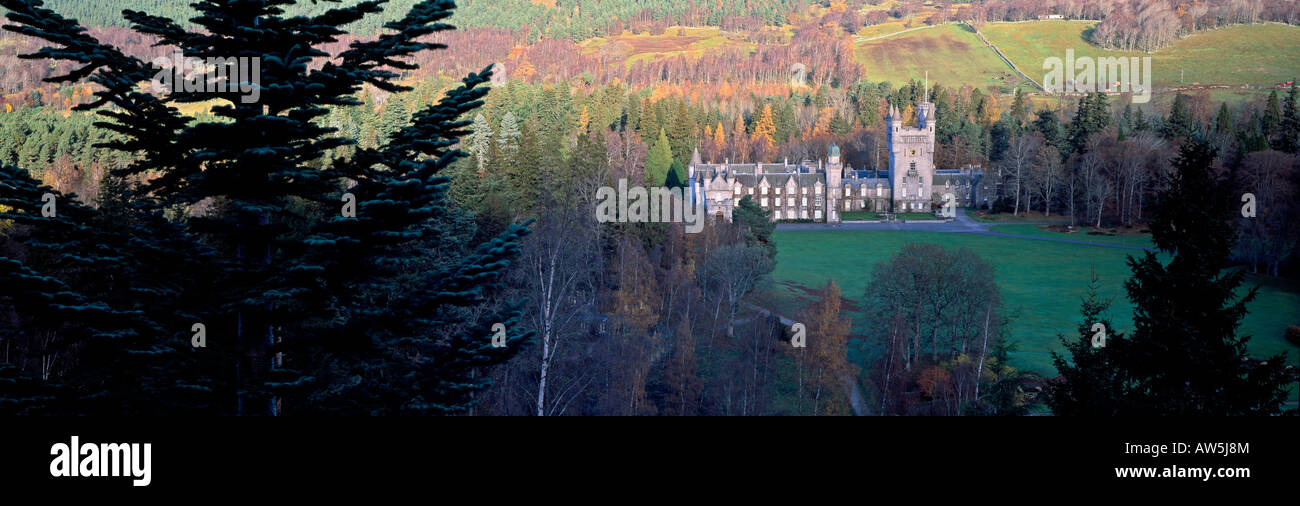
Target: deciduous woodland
475,195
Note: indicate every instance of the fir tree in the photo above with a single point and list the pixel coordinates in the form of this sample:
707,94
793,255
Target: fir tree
479,142
659,161
1093,116
1223,122
1184,355
757,225
1179,123
1288,136
1272,117
386,311
1089,384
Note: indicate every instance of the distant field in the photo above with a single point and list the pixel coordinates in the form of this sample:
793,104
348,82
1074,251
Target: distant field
692,41
952,54
1042,279
1248,54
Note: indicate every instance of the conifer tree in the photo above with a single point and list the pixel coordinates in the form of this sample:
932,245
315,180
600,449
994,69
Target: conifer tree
757,225
387,310
1184,355
765,129
659,161
1289,129
1179,123
1223,122
1089,384
1272,117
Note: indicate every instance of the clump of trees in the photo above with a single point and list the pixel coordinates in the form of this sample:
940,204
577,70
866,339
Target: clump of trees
937,321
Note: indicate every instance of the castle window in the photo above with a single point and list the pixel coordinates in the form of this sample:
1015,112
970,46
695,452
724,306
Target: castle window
764,190
818,190
751,191
737,192
817,215
803,214
880,191
848,192
805,201
764,201
778,191
904,192
776,215
864,191
848,205
789,201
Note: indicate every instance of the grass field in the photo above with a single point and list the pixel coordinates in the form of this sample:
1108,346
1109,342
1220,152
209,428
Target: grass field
952,54
1249,54
1041,280
1104,235
676,40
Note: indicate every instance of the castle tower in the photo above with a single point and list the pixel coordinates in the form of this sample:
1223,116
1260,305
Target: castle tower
911,159
834,190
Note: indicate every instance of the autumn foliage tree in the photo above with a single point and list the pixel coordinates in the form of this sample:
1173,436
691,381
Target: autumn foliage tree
825,376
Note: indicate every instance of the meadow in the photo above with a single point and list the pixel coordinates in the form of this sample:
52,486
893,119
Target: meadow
1255,55
1042,283
952,54
1247,54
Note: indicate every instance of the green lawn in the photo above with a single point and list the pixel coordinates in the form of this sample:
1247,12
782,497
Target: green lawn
916,216
1082,234
1248,54
1043,280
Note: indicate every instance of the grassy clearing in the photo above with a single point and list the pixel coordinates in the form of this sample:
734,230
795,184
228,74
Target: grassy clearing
676,40
1042,280
952,54
1249,54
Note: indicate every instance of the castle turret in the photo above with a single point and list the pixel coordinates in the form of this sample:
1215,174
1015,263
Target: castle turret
925,116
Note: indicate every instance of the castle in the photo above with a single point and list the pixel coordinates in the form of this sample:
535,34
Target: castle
823,191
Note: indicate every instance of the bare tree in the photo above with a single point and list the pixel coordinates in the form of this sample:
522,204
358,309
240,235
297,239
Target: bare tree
559,266
1047,175
731,273
1017,161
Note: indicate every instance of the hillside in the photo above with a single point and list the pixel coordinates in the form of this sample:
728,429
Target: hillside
952,54
1249,54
